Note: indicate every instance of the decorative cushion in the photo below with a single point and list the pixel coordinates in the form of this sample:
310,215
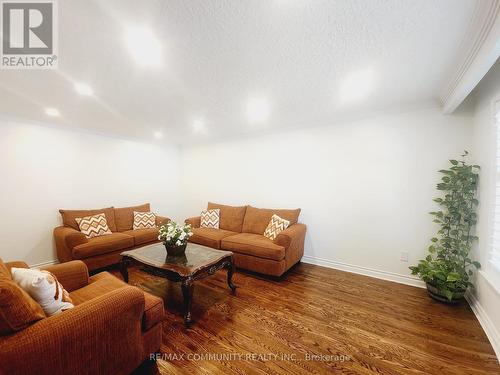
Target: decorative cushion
276,226
44,288
124,216
257,219
210,219
17,309
69,216
144,220
93,226
231,217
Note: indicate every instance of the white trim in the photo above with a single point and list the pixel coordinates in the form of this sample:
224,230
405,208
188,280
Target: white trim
384,275
43,264
481,50
488,327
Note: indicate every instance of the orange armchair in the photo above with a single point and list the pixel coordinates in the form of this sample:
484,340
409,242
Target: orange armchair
112,329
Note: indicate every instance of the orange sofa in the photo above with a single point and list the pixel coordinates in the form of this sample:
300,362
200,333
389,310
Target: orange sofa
241,231
105,250
112,329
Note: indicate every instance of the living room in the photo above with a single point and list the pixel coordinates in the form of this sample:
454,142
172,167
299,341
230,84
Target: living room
250,187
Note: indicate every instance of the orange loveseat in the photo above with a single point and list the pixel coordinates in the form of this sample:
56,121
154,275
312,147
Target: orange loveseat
241,231
104,250
112,329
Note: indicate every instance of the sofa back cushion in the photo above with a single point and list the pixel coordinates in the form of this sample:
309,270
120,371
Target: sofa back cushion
4,271
257,219
231,217
17,309
69,217
124,216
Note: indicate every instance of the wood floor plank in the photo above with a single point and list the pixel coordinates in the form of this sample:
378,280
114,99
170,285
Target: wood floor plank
353,324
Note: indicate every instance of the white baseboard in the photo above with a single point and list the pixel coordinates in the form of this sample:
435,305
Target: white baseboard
43,264
488,327
384,275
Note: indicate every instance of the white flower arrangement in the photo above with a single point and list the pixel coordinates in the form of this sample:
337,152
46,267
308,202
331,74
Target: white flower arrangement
173,234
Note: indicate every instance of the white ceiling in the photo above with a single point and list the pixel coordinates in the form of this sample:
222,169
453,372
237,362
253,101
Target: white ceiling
219,54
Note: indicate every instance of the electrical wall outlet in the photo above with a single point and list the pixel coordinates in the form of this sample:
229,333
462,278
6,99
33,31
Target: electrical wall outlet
404,256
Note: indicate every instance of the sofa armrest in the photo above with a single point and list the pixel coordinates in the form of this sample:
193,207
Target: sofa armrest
66,239
72,275
194,221
16,264
294,233
161,220
102,334
292,239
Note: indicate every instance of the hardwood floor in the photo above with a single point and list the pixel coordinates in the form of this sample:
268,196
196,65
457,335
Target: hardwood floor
353,324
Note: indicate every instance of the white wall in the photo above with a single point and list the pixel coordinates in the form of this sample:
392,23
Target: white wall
365,187
486,296
43,169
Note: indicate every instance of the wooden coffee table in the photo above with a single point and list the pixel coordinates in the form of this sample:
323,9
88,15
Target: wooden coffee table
198,262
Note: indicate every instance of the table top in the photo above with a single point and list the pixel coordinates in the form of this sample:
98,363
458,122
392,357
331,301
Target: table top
197,257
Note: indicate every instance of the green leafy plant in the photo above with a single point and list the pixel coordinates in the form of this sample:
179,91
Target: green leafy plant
448,266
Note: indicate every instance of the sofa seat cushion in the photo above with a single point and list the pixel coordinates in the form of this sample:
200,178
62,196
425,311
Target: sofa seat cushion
142,236
102,245
104,282
253,244
98,285
154,311
210,237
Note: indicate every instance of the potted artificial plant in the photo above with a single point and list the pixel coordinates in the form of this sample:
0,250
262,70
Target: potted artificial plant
447,268
175,237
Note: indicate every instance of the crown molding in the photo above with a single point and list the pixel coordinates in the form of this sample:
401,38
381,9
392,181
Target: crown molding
481,48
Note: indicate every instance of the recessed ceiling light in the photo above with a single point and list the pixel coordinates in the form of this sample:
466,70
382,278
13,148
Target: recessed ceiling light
357,85
257,110
198,126
83,89
143,45
52,112
158,135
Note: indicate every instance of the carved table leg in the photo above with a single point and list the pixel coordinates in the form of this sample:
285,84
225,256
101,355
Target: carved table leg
187,293
230,271
123,269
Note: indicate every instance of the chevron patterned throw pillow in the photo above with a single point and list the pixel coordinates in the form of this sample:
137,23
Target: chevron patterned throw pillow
144,220
275,227
210,218
93,226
